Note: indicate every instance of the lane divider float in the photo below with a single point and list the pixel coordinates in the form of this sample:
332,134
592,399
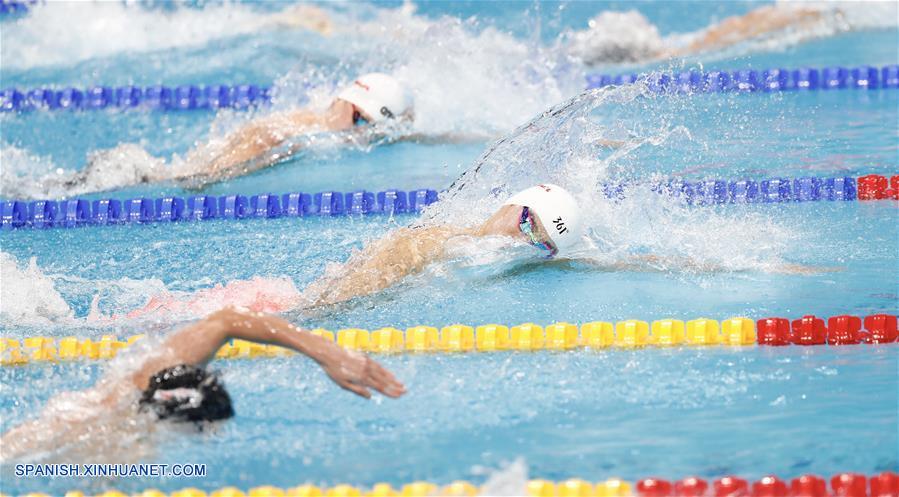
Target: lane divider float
561,336
75,213
751,80
219,96
15,6
885,484
80,212
157,97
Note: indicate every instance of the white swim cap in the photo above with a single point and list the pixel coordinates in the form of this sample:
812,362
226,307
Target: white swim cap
557,210
378,95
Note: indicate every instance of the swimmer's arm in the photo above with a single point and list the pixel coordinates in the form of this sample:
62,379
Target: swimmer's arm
197,344
303,16
381,265
253,141
761,21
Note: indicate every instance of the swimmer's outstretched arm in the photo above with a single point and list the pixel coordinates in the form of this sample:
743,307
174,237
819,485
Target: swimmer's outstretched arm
381,264
247,149
248,143
761,21
197,344
303,16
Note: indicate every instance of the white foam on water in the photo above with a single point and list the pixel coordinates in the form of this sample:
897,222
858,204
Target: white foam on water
27,176
614,36
87,30
28,296
510,480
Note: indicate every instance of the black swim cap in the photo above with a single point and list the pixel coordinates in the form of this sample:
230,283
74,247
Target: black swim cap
187,393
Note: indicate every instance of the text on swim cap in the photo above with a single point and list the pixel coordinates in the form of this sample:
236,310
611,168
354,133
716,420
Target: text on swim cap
560,225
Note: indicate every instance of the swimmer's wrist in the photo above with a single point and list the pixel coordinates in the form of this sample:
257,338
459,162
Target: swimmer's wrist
317,348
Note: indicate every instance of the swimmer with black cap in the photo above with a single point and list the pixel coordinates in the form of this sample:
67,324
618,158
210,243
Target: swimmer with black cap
172,383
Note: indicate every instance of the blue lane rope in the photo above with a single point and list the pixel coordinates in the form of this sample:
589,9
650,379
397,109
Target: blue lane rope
750,80
80,212
163,98
15,6
193,97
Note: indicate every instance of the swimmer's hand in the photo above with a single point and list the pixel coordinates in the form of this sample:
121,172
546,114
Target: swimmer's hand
357,373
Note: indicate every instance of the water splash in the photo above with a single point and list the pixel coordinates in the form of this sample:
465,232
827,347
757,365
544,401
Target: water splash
579,147
509,480
28,296
84,30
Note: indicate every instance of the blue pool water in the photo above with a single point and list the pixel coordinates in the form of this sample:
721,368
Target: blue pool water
479,71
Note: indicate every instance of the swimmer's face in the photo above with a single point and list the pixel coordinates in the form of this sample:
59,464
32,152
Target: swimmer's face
506,222
344,115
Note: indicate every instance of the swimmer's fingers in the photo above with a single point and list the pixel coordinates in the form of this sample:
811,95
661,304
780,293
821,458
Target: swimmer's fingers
356,389
384,381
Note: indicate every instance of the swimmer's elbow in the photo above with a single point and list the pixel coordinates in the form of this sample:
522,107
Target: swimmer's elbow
226,316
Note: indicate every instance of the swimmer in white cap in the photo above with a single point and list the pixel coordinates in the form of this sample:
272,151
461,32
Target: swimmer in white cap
372,100
545,216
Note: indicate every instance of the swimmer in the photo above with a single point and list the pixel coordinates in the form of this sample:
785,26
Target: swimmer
372,101
546,217
615,37
171,383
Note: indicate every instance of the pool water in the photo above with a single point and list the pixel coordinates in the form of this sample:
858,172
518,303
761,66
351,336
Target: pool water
479,70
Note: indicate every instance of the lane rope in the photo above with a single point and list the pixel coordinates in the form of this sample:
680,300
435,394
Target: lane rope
885,484
246,96
751,80
15,6
597,335
75,213
108,212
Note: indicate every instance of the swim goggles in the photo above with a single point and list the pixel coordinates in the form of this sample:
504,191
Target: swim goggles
526,225
358,120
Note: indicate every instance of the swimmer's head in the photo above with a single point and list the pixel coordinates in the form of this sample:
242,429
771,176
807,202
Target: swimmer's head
378,97
187,393
550,217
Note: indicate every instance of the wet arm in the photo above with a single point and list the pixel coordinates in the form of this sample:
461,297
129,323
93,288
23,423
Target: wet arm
381,265
197,344
761,21
254,140
303,16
